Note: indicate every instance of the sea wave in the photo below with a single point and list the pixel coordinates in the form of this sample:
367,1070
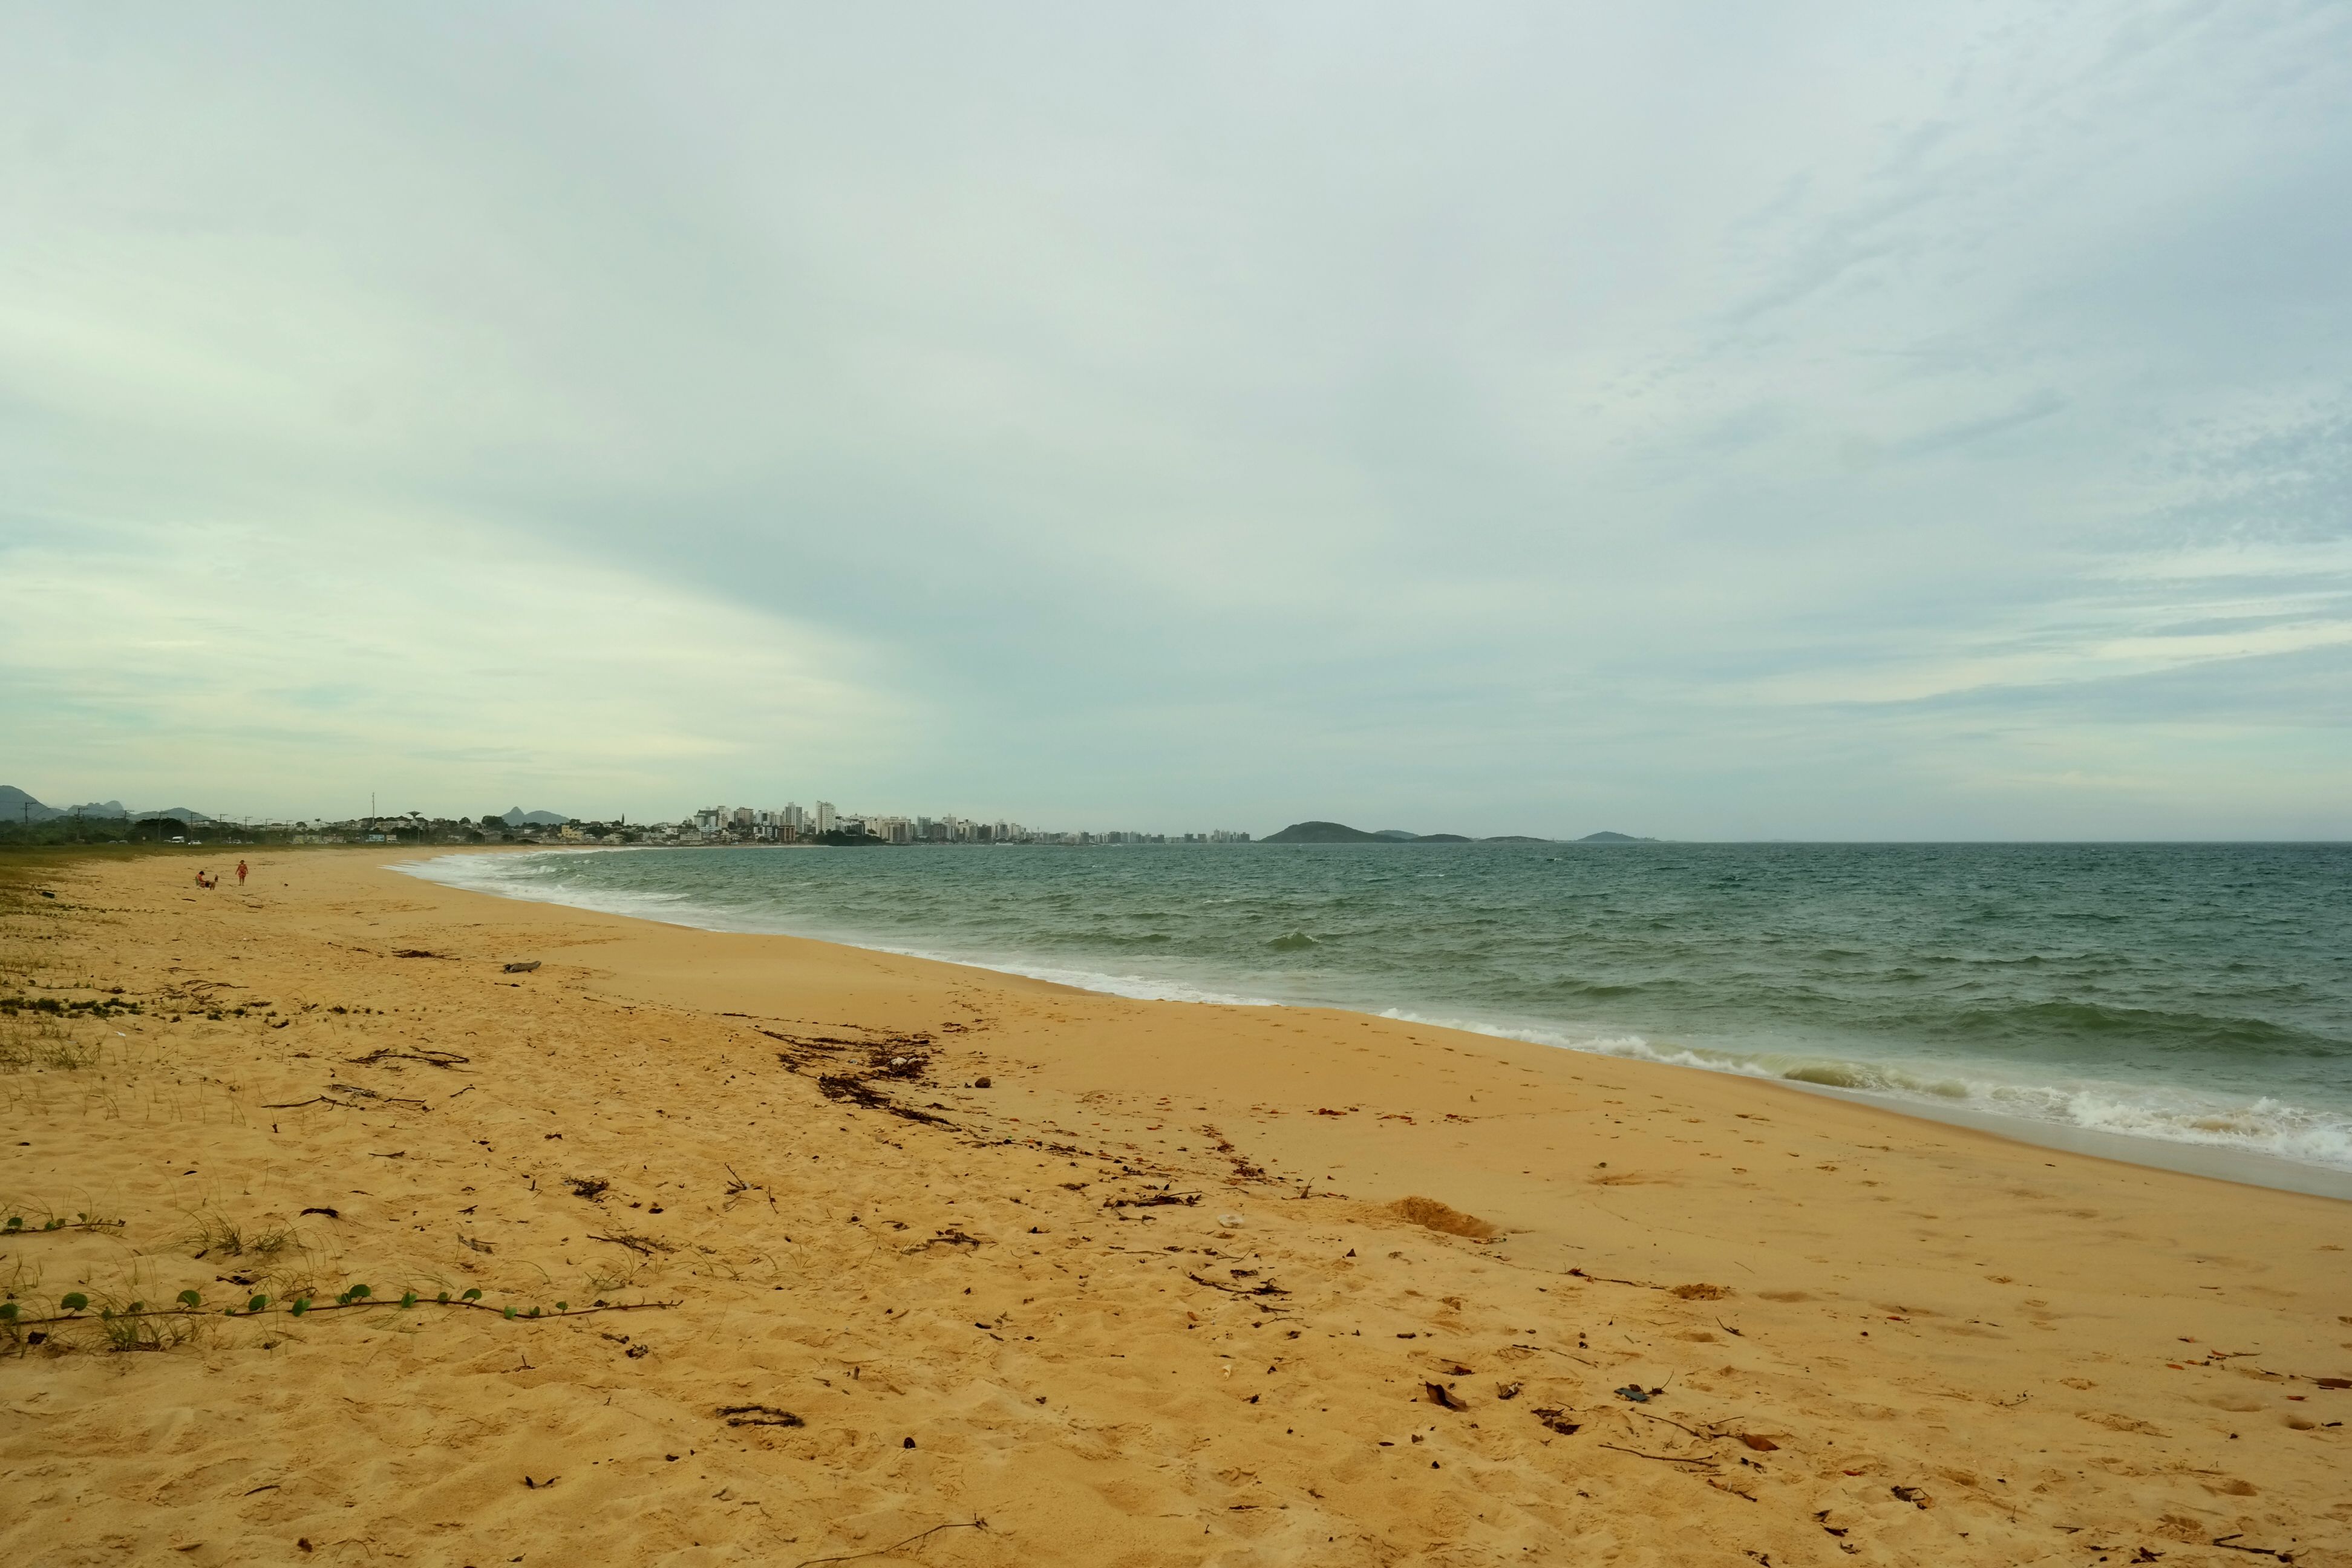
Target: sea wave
514,876
2258,1124
531,877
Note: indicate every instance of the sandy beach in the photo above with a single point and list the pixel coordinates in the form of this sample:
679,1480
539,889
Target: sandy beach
927,1264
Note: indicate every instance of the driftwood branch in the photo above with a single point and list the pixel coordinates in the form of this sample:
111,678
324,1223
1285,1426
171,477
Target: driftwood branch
1605,1279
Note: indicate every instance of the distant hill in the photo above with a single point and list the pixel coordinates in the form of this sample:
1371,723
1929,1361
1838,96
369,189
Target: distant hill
16,805
1606,838
1340,833
1514,838
1325,833
515,817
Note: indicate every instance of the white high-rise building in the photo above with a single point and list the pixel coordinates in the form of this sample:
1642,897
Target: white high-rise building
825,817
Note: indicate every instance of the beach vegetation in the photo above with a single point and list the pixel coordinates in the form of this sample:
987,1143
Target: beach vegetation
601,1281
131,1327
224,1236
34,1039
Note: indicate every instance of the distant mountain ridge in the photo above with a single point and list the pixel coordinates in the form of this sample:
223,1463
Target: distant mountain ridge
1340,833
1320,832
16,805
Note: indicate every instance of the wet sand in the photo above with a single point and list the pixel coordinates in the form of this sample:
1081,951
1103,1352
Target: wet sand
1145,1298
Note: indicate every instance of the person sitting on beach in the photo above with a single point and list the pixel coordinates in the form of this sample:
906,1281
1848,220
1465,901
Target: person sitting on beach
200,878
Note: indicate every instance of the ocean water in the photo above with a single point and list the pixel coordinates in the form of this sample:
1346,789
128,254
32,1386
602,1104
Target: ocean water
2186,994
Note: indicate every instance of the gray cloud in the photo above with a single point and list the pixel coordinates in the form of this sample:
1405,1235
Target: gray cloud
1802,423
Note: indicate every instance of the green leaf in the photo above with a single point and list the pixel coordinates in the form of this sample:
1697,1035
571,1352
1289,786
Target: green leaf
563,1306
474,1295
408,1299
191,1299
443,1298
257,1303
7,1312
510,1311
358,1292
533,1313
16,1222
301,1306
74,1302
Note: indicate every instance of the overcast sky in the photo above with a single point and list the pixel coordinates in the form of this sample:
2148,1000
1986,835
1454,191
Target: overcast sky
1708,421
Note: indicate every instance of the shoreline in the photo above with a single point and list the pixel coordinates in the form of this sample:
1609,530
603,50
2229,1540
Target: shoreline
2218,1162
1146,1297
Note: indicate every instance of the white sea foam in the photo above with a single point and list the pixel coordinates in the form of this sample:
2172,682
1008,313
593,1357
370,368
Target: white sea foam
2258,1125
512,876
1142,987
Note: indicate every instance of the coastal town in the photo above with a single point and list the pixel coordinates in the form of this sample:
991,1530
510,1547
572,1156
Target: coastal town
26,819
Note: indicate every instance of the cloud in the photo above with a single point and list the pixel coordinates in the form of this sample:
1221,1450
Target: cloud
1486,421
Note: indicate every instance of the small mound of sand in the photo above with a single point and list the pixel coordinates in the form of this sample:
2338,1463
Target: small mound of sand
1700,1292
1435,1216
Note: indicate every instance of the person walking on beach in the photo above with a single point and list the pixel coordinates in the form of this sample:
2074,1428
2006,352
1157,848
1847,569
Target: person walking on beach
240,873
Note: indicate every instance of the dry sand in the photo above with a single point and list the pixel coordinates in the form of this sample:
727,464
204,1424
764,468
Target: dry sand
930,1304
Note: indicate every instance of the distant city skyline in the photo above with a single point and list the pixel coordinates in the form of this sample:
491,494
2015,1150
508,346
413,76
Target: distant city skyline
1816,421
788,823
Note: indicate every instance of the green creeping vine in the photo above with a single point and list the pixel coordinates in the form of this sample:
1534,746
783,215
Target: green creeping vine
15,1225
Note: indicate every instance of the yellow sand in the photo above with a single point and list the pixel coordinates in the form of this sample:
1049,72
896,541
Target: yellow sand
1877,1339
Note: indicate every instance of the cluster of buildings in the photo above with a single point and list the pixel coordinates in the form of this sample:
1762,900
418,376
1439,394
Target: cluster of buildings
825,824
821,824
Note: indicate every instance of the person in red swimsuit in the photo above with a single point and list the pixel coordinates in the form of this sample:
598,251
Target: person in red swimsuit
240,873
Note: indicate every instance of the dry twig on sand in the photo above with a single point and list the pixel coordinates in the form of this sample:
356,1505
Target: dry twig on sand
1668,1458
886,1551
